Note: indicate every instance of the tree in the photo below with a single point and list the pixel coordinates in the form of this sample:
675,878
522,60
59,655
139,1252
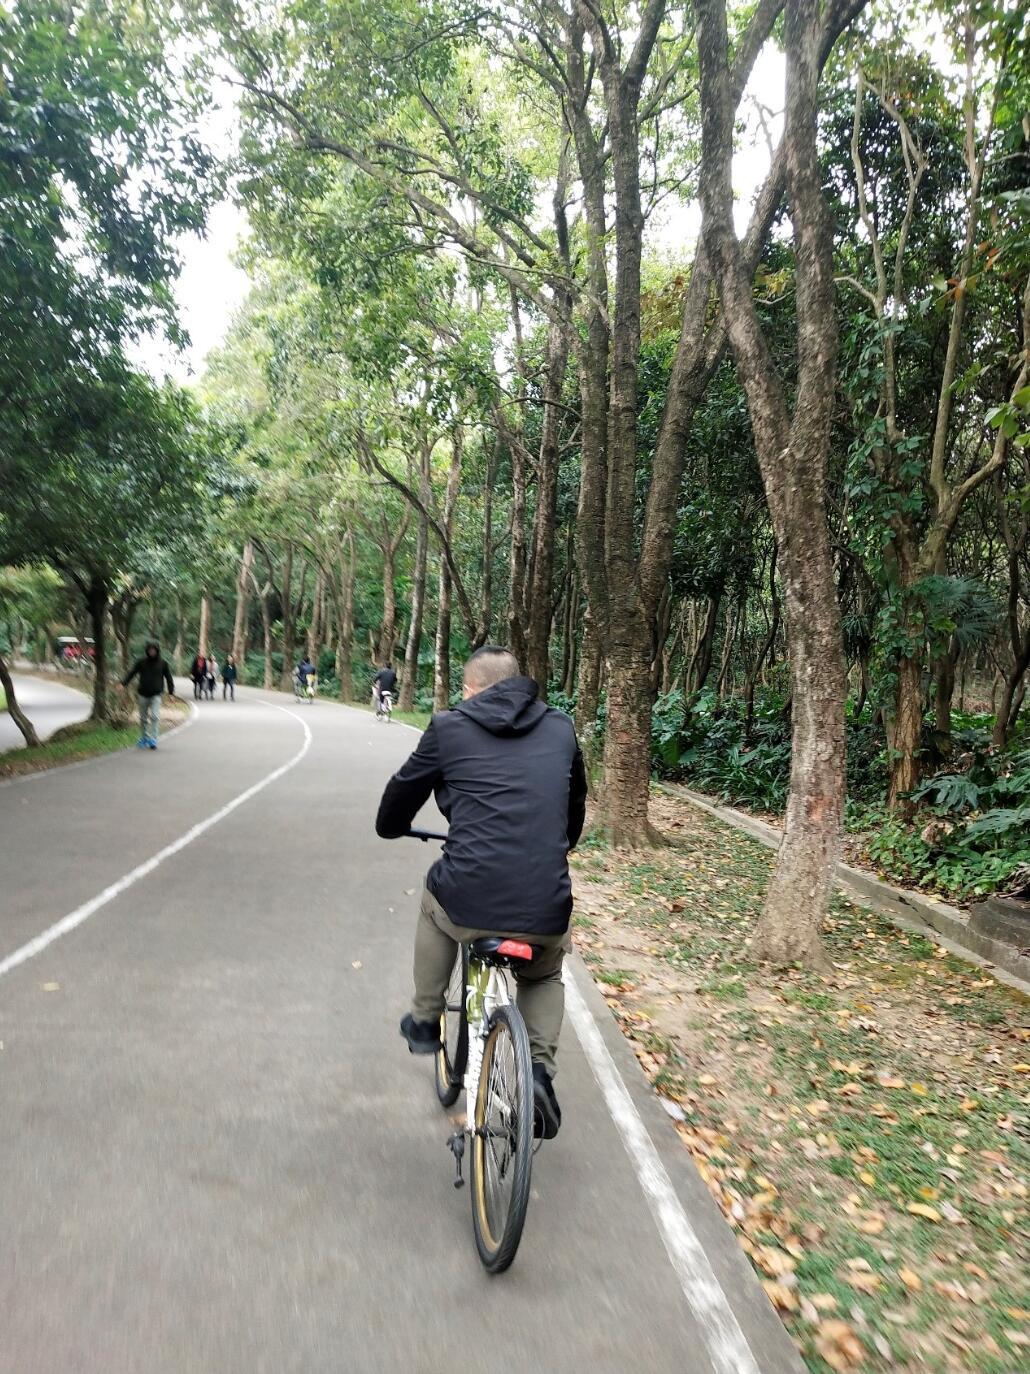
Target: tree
130,453
792,448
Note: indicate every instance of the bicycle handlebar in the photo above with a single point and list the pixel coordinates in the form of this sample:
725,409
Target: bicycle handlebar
424,835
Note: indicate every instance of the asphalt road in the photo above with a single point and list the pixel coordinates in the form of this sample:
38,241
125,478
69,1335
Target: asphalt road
216,1154
49,705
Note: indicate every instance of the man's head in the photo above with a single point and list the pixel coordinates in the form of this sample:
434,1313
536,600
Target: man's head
151,650
488,665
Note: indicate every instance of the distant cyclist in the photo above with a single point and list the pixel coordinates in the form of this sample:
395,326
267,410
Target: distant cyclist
384,681
305,668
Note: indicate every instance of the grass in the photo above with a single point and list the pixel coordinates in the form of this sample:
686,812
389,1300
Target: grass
76,742
865,1134
86,740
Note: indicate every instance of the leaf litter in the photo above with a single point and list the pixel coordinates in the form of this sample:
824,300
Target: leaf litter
865,1134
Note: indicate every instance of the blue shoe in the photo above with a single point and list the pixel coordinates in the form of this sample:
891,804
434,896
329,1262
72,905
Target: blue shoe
151,743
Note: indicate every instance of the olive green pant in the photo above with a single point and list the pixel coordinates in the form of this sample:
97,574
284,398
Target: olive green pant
541,993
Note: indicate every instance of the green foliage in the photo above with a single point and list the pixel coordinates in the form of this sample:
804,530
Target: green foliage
703,743
971,834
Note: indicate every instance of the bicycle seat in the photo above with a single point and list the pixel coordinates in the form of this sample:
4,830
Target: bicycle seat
504,953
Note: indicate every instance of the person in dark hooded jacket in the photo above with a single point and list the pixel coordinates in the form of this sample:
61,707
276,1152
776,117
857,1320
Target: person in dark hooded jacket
154,675
508,775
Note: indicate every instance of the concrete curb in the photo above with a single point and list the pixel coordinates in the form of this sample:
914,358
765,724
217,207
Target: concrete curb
911,911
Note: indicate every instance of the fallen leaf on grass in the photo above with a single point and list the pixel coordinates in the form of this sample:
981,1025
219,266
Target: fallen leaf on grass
784,1299
920,1209
865,1283
838,1345
818,1108
911,1280
773,1261
873,1224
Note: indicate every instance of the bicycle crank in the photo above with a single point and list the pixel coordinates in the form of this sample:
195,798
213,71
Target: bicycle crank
456,1145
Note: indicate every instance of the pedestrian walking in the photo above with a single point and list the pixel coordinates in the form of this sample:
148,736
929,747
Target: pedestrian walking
198,675
153,675
229,675
212,676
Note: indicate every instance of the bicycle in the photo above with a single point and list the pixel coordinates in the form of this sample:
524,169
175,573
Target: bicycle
384,709
485,1050
305,690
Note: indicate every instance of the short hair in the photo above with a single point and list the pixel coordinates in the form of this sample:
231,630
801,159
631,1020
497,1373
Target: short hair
490,664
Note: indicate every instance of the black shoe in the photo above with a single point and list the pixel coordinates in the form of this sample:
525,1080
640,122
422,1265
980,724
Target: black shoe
546,1112
423,1037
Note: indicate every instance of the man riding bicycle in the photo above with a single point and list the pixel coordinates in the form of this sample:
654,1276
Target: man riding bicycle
384,681
508,775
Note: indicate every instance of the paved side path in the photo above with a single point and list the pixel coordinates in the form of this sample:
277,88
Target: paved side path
216,1155
49,705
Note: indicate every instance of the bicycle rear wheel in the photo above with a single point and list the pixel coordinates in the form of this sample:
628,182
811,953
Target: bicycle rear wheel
502,1140
452,1057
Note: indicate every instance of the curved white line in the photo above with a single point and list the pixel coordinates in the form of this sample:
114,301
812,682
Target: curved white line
88,909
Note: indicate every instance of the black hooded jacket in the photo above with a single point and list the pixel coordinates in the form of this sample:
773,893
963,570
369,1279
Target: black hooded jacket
509,777
153,673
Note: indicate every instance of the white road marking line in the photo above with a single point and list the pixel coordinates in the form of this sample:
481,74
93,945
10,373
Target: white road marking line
83,913
727,1345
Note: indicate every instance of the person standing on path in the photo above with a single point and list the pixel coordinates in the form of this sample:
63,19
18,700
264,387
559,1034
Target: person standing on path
198,674
229,676
211,668
508,775
154,675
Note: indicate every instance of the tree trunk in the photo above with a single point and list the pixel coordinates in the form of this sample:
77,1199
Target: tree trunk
627,748
96,605
179,652
388,628
244,579
268,680
517,557
406,699
704,650
314,636
540,608
17,714
442,670
204,631
906,734
289,628
792,450
345,612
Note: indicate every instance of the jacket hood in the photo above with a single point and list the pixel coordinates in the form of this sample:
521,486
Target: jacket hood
507,708
152,644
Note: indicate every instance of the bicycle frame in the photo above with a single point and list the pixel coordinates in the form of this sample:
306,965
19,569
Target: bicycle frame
486,989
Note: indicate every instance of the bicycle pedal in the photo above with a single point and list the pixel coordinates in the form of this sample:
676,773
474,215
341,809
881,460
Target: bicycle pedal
456,1144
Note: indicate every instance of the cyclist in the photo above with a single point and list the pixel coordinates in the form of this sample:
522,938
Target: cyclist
509,777
384,681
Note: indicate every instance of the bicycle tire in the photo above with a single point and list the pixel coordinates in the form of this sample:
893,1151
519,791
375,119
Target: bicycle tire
452,1056
497,1236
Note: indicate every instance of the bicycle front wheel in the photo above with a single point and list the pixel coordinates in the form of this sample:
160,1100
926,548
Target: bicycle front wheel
452,1056
502,1140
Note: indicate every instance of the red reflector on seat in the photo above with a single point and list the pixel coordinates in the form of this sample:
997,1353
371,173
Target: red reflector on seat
515,949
